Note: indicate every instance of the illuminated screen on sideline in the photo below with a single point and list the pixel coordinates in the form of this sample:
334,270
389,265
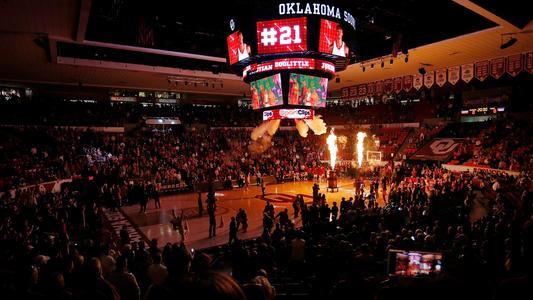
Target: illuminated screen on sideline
266,92
238,49
414,263
332,39
308,90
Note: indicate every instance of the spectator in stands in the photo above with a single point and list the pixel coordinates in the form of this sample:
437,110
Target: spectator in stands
124,281
96,287
261,278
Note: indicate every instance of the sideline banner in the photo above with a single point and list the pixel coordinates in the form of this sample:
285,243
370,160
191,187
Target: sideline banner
461,168
437,149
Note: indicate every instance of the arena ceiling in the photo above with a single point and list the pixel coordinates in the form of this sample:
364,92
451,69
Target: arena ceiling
90,44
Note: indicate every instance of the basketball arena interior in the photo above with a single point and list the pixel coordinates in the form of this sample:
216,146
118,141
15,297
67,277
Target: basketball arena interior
261,150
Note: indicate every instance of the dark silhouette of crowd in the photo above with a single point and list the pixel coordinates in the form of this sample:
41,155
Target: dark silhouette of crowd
55,243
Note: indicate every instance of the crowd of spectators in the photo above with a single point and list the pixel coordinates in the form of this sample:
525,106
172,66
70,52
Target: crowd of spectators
499,144
57,245
32,155
51,111
108,113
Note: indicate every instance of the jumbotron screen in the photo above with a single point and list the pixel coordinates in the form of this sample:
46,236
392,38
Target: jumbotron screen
237,48
273,31
307,90
266,92
285,35
332,39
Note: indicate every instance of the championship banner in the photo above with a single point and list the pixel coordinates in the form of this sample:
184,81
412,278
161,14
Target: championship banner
453,74
467,72
397,85
353,91
418,81
482,70
429,79
379,87
437,149
407,83
529,62
387,86
371,88
497,67
345,93
440,77
361,90
514,64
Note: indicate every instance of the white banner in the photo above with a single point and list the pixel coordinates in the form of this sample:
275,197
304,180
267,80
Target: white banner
418,81
454,74
467,72
440,77
429,79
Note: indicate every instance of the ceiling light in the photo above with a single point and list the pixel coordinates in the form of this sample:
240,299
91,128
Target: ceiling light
406,58
509,43
422,71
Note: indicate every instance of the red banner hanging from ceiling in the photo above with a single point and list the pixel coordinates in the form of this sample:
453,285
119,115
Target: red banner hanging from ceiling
397,84
379,87
482,70
361,90
353,91
529,62
497,67
371,89
387,86
514,64
467,72
345,93
407,83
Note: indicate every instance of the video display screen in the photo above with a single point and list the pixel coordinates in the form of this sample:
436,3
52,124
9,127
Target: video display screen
266,92
307,90
238,49
286,35
331,39
413,263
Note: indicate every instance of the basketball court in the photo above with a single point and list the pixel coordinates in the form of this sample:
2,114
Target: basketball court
155,223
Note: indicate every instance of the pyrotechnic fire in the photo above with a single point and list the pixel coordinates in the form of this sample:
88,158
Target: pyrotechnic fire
360,138
332,147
